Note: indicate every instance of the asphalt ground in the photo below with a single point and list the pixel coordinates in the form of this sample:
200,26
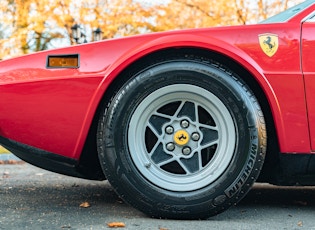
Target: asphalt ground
32,198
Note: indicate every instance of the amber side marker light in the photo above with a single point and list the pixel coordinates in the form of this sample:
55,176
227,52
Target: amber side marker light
63,61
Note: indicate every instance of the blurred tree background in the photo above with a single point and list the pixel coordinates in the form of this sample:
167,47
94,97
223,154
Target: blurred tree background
28,26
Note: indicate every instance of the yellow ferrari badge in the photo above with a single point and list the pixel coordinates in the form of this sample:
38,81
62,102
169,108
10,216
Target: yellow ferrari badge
181,137
269,43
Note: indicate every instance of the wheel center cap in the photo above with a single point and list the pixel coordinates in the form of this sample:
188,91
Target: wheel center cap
181,137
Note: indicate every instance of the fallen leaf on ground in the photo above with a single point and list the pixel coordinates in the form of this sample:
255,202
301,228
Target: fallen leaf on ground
116,225
300,224
85,205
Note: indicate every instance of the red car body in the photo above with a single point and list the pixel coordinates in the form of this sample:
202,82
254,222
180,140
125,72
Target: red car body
47,114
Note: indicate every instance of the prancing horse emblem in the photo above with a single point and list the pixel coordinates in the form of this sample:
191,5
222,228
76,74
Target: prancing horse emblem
182,137
269,43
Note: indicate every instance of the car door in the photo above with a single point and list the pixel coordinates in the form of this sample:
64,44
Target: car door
308,67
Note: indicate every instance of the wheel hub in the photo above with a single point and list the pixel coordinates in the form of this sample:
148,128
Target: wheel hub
181,138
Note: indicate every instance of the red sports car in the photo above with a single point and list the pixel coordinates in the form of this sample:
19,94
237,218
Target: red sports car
181,123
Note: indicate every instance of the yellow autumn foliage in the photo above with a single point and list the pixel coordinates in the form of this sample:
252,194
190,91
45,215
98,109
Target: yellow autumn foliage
3,150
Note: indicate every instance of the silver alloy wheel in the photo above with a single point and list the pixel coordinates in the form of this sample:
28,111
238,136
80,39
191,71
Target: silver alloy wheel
181,137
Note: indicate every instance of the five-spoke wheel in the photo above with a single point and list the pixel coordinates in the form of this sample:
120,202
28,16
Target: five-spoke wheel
181,137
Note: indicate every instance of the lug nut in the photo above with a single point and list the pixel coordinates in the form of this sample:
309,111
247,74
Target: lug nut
184,124
195,136
186,150
169,130
170,146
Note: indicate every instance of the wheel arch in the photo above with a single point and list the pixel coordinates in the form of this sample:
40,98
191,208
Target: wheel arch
253,80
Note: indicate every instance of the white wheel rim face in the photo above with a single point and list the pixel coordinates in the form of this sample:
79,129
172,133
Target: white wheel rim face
181,138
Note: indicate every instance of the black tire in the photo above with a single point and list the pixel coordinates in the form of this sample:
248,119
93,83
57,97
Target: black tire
182,139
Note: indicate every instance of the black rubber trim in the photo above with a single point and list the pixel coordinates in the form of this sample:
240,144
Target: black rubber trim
293,169
43,159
